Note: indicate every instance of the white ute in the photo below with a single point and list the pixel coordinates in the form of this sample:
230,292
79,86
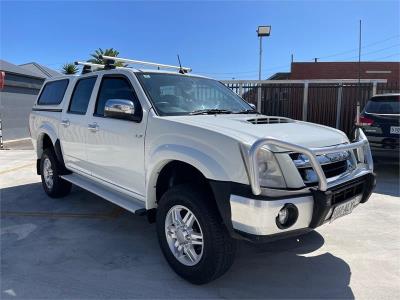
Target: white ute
196,158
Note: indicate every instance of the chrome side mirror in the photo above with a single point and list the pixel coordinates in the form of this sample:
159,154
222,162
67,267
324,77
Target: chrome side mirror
253,106
120,109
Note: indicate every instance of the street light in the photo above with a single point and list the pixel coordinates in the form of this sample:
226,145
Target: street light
262,31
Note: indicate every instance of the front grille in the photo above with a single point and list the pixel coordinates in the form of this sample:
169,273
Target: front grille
335,169
330,168
347,191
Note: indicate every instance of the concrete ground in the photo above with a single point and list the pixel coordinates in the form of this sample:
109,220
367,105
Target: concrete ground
81,246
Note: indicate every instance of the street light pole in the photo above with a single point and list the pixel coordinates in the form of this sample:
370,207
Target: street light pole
261,31
260,62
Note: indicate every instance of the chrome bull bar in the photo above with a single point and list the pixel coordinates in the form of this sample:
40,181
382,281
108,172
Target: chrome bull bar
361,145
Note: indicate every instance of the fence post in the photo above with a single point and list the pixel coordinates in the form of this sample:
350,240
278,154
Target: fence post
241,89
259,97
305,100
339,105
374,88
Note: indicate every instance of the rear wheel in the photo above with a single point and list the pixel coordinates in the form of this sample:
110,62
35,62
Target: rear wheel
52,183
192,236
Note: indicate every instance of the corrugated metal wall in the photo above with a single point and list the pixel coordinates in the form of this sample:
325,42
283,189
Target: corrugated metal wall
16,100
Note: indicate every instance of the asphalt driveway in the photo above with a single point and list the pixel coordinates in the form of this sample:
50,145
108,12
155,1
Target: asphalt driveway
81,246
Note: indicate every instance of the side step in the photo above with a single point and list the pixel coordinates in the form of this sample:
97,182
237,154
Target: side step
129,203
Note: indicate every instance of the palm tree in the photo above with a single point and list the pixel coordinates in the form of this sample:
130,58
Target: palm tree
69,69
107,52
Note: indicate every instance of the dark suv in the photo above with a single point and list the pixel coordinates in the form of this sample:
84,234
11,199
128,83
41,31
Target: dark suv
380,121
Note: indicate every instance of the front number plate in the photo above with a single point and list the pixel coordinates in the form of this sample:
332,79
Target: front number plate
345,208
395,129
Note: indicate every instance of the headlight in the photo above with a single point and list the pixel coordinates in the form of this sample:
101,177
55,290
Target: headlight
270,174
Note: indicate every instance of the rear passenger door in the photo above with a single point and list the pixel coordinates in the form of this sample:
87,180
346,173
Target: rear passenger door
73,127
115,147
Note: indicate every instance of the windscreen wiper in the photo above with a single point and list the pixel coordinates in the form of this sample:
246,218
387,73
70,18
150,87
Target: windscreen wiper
210,111
247,111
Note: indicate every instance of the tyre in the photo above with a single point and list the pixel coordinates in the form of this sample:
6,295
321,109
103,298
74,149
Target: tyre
52,183
192,237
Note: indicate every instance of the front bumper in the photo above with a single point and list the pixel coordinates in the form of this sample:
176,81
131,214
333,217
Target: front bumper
255,219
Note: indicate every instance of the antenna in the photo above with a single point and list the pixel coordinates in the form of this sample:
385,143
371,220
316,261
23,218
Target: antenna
358,108
180,66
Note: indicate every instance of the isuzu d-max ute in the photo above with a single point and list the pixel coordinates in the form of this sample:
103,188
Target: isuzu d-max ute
196,158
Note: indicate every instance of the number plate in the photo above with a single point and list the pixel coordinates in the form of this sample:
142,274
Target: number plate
395,129
345,208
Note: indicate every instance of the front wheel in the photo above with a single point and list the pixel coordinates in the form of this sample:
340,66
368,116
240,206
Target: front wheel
192,236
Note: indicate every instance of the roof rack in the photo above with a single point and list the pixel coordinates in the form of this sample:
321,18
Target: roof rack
89,64
112,60
89,67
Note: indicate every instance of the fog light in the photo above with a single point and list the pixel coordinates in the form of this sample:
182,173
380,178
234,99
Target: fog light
287,216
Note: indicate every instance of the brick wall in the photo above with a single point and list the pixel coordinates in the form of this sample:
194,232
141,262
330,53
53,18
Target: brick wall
346,70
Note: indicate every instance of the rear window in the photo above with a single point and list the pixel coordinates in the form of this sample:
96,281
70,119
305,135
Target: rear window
53,92
383,105
81,95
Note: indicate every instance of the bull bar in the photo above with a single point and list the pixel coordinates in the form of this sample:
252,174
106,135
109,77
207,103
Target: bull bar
361,145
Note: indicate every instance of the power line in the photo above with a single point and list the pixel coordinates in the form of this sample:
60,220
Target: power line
363,47
245,72
384,57
373,52
252,72
322,57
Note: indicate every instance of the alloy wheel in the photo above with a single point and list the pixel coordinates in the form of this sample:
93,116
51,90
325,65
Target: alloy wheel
184,235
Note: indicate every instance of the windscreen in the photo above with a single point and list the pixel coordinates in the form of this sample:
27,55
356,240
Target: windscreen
383,105
182,95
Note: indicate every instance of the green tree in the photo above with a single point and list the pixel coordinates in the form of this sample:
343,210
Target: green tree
69,69
107,52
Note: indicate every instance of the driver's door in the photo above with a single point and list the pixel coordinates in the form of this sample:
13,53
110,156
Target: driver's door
115,147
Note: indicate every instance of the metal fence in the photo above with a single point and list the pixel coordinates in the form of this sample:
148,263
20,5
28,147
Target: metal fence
328,102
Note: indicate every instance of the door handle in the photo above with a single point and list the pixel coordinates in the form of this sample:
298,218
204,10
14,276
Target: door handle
65,122
93,127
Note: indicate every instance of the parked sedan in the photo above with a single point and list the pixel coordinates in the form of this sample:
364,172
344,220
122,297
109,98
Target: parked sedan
380,121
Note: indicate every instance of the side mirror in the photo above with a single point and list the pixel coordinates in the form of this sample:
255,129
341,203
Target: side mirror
120,109
253,106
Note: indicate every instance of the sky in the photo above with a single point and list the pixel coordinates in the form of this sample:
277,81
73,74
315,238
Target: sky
215,38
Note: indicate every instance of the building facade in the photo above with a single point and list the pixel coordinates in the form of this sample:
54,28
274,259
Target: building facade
20,87
346,70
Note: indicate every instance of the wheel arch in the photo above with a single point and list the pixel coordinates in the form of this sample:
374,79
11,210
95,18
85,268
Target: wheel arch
46,133
203,163
47,138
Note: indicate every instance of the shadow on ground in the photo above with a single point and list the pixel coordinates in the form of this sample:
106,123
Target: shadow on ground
283,269
78,247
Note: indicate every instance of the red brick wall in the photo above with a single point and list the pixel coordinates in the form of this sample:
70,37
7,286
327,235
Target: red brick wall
345,70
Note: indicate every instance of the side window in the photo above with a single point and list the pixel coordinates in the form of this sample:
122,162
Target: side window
81,95
53,92
114,88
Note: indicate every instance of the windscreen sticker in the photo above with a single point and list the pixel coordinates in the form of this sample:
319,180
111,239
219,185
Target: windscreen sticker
146,76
